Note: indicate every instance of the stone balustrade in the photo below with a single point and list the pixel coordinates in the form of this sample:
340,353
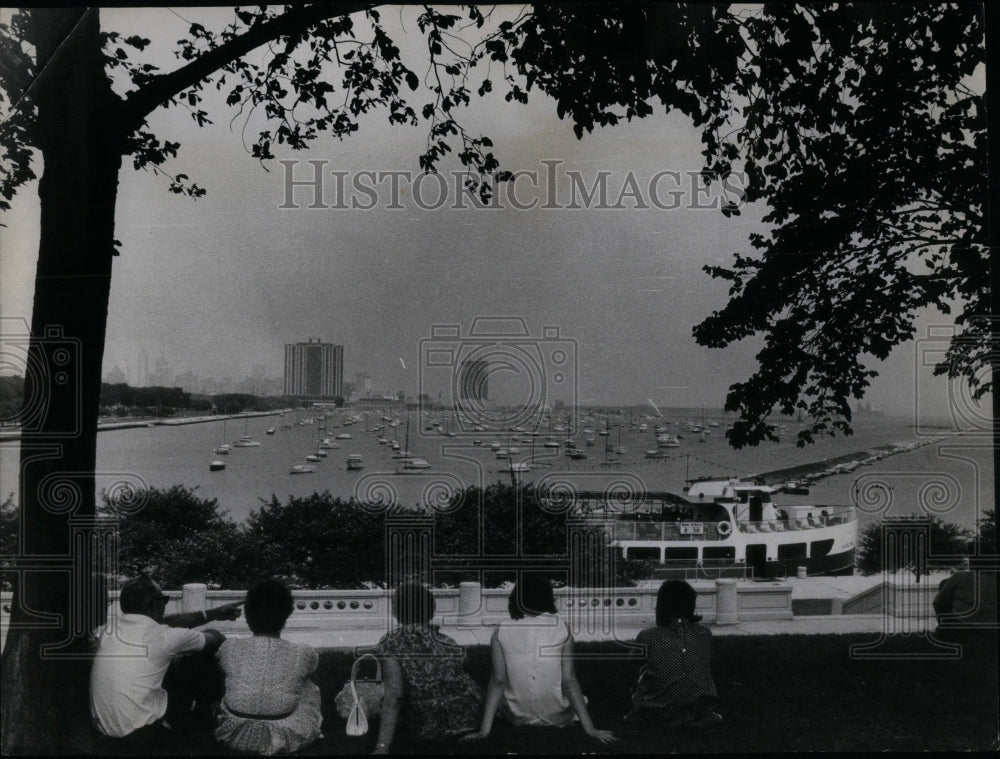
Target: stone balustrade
330,617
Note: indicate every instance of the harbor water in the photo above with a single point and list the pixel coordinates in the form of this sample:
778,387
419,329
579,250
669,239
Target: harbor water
945,473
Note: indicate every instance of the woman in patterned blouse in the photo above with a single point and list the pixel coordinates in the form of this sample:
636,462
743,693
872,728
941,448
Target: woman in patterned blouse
271,706
426,685
675,684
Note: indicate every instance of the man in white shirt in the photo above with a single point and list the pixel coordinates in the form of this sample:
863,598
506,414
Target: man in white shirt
127,694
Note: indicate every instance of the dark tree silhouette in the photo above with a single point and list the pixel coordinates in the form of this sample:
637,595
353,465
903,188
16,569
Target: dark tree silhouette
852,123
861,134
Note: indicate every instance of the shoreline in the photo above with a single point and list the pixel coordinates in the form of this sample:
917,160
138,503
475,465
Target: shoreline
164,422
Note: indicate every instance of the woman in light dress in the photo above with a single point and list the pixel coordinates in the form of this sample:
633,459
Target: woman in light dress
271,706
534,678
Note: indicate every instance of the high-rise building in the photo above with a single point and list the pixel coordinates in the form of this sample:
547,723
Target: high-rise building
314,369
473,380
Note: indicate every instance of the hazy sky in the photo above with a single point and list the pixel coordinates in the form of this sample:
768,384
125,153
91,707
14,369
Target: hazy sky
218,285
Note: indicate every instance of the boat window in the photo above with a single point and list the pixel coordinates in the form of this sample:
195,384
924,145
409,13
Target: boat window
792,551
716,553
684,553
644,552
820,548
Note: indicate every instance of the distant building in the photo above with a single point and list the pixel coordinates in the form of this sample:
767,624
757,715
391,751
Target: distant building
314,369
380,402
473,380
866,409
363,383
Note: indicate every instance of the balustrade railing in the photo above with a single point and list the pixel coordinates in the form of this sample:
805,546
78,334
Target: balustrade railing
325,616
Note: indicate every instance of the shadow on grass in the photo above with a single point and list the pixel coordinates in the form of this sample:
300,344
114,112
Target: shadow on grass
777,693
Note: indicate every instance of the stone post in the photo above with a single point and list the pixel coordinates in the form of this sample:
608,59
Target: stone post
193,597
470,604
725,602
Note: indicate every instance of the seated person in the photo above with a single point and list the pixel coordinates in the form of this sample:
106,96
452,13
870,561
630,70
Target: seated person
534,677
271,706
141,688
424,674
967,599
675,685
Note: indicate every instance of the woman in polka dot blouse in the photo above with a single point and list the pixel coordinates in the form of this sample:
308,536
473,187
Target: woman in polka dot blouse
675,685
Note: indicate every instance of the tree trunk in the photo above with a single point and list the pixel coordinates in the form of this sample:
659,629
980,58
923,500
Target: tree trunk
46,662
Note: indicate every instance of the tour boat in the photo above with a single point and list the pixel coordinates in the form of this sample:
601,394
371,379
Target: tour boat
727,527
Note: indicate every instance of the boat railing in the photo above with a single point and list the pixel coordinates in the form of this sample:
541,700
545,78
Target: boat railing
708,569
639,530
821,516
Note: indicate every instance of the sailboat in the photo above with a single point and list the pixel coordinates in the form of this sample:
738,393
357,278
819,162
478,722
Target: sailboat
609,460
408,462
246,440
223,450
405,452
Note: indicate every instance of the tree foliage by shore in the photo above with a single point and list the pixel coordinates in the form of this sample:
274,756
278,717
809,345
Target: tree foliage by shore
322,541
948,545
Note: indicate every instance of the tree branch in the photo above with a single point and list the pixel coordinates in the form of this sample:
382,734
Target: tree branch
146,99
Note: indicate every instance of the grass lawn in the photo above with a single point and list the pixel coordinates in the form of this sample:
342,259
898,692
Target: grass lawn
777,693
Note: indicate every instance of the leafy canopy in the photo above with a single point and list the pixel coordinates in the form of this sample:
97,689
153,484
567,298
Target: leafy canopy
854,124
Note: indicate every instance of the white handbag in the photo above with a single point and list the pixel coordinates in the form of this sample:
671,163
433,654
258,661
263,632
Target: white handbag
359,699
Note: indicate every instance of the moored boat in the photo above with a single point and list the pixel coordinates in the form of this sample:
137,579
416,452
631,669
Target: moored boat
302,469
729,527
216,466
414,463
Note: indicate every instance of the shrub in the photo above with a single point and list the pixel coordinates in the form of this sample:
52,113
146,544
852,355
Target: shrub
175,537
949,543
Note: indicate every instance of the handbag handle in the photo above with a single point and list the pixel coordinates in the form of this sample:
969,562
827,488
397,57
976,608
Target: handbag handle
357,662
